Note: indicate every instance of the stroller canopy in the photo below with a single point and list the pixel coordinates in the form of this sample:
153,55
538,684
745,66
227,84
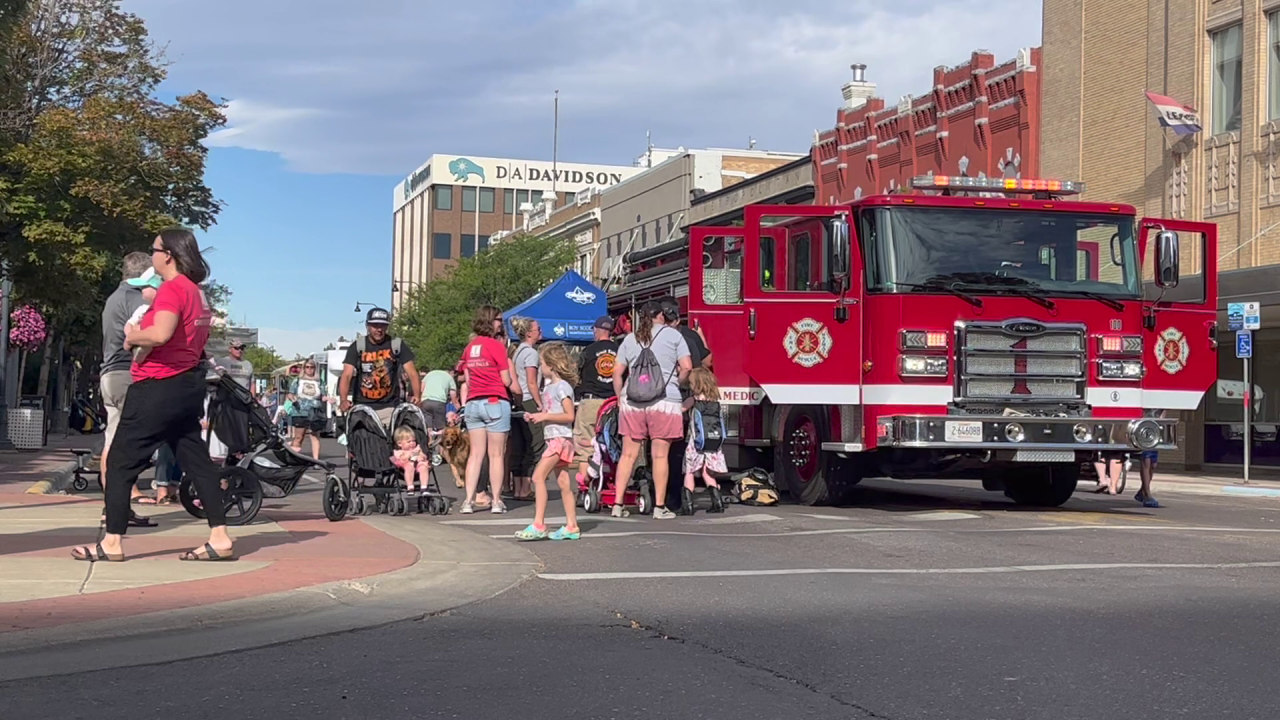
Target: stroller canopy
566,309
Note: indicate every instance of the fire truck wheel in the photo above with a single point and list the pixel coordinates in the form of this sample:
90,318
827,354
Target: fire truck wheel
810,475
1043,486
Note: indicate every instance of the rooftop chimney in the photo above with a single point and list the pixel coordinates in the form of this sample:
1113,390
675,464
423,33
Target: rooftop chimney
857,91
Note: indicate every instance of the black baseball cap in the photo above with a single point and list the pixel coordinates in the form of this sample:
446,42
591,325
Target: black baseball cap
604,322
377,316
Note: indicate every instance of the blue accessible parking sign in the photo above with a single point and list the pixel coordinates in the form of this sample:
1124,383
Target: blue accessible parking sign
1244,344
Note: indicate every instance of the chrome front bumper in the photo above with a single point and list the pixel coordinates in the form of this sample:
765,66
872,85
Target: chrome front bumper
962,432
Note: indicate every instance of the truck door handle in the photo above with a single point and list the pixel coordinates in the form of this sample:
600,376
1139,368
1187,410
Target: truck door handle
1213,335
751,324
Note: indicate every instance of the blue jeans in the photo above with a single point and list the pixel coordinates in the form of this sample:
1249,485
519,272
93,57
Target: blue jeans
168,472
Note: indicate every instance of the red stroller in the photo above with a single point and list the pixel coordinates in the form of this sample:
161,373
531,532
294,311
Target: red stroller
597,489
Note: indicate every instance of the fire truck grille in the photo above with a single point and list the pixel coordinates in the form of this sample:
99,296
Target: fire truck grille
996,363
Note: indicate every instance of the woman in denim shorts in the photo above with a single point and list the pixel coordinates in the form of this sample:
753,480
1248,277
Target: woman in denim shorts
488,387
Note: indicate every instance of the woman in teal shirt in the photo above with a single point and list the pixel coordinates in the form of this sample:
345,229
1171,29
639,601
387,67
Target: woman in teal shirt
309,401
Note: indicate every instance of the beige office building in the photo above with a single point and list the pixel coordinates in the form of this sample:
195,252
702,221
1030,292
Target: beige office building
1221,58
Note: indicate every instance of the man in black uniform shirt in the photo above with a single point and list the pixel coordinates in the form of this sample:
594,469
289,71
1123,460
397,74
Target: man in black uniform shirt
595,385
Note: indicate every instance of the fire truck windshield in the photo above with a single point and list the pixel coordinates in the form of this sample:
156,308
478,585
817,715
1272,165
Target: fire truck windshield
989,251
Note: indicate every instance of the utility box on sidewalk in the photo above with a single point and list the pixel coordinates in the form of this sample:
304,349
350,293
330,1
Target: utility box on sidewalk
26,423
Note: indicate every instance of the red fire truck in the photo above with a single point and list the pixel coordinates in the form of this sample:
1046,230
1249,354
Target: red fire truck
979,328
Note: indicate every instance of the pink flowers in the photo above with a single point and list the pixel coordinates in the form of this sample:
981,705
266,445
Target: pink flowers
27,329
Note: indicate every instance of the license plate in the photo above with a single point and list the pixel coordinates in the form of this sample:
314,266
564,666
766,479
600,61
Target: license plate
966,432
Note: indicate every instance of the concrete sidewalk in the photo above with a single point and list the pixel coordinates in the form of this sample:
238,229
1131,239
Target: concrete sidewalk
1199,484
47,470
298,575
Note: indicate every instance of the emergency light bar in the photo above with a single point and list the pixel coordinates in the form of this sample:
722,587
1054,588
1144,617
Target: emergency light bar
1008,185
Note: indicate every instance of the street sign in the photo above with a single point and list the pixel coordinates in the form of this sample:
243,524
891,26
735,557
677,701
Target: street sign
1244,344
1235,316
1252,316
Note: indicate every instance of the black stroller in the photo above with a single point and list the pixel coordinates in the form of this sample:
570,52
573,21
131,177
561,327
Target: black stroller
375,484
256,457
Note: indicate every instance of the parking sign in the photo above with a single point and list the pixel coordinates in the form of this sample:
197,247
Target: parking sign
1244,344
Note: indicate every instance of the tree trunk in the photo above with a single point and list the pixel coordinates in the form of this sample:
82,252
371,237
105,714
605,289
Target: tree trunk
46,362
22,373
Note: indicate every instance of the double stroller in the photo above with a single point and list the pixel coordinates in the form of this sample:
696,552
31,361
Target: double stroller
375,484
259,463
598,489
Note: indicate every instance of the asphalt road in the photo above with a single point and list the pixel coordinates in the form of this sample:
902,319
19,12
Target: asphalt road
922,601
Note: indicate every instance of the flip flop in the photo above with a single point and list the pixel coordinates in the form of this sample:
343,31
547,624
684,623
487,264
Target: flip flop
142,500
84,553
210,555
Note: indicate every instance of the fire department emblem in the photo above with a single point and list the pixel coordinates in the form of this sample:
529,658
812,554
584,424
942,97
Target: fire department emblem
807,342
1172,350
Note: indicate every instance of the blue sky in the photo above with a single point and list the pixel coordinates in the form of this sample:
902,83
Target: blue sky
332,103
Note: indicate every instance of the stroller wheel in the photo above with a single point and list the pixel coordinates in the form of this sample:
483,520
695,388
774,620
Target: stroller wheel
80,484
591,501
644,501
401,506
336,502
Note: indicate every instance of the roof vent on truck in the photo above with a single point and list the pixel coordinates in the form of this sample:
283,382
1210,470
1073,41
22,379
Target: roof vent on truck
962,183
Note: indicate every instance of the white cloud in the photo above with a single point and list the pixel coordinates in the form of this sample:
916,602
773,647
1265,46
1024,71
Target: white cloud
376,87
291,343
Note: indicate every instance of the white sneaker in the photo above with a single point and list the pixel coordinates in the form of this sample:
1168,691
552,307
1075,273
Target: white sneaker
498,508
662,514
620,512
467,508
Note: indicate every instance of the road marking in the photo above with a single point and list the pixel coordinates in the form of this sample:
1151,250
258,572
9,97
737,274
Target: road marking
1002,569
940,515
738,519
758,518
522,521
869,530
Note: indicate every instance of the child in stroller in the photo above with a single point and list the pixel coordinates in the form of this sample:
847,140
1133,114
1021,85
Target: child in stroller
597,488
376,482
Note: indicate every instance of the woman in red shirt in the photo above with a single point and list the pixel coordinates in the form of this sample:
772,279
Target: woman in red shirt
166,400
486,405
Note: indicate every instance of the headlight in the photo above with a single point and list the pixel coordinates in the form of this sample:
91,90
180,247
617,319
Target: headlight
923,340
923,366
1120,369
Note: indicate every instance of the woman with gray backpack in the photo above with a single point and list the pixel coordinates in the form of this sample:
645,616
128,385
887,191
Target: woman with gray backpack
654,361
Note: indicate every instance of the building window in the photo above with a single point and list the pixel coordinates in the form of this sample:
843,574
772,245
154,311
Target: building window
509,201
468,199
1273,66
468,246
1227,91
570,198
444,197
486,200
522,197
482,244
442,246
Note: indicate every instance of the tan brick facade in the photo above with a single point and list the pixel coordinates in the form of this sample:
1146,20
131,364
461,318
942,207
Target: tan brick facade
1097,126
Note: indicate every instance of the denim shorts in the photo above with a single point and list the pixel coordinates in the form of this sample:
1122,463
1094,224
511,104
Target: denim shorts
484,414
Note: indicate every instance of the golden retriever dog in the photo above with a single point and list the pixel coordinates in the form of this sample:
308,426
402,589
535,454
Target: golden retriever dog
455,447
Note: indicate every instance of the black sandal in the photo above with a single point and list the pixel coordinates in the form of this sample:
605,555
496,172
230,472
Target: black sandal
84,553
211,555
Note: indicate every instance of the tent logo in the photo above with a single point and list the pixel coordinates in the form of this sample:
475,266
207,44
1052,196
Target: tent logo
580,296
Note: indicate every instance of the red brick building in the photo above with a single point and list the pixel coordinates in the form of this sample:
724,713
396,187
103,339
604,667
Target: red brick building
979,119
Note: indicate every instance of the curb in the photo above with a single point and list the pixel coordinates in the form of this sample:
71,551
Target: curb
1218,490
59,481
455,568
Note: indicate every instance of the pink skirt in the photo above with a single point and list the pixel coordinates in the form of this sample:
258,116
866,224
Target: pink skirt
561,448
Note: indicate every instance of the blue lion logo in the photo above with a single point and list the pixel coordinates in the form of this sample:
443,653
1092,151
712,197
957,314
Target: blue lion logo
463,169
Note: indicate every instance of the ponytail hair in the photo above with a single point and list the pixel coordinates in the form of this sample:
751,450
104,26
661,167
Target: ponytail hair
644,324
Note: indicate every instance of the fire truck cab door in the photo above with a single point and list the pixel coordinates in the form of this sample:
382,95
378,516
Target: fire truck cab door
1180,338
802,287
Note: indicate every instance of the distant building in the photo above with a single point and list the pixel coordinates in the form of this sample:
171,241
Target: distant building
448,208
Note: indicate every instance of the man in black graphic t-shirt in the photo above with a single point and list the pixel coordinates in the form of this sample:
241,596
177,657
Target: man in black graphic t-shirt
595,372
374,368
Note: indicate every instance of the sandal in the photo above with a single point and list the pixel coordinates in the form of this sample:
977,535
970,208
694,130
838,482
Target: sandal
211,554
135,520
565,533
84,553
166,500
531,533
143,500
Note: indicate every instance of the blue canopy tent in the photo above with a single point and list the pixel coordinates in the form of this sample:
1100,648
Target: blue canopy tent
566,309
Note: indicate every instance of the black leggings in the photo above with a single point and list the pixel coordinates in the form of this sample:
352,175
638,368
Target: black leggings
155,413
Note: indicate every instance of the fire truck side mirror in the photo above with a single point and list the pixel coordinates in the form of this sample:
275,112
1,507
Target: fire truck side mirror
1167,254
840,250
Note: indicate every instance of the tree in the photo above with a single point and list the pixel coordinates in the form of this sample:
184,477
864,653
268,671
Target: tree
92,164
264,359
435,319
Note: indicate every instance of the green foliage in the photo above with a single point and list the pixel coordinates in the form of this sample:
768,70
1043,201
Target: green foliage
264,359
435,319
91,163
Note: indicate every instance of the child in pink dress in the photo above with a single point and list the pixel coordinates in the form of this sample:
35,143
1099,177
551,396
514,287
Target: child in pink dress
410,458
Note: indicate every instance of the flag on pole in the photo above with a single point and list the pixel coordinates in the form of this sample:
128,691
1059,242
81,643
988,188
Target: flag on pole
1182,119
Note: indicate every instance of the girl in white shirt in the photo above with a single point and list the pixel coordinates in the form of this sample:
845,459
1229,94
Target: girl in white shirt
556,422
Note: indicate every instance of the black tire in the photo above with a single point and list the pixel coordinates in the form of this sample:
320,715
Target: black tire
809,474
80,484
591,501
644,500
241,496
1042,486
336,499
